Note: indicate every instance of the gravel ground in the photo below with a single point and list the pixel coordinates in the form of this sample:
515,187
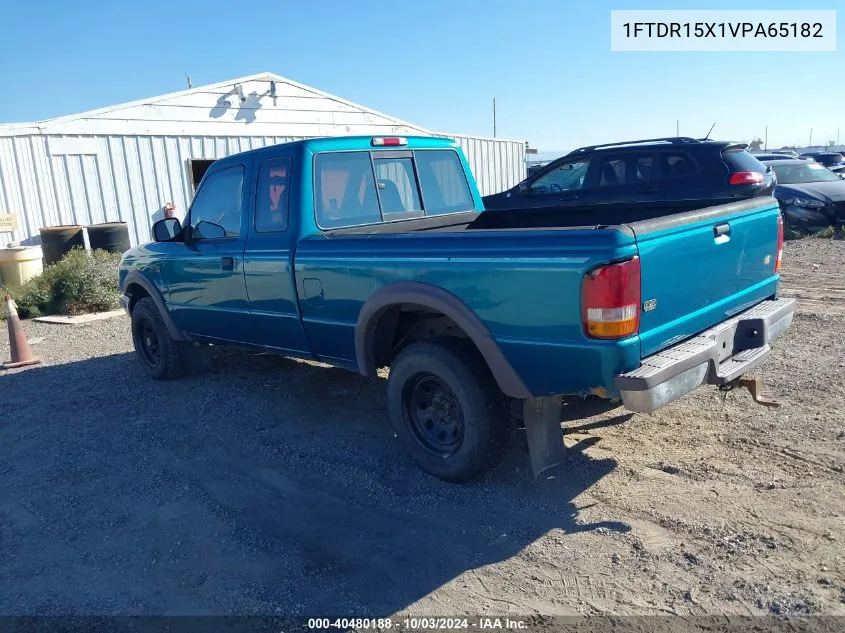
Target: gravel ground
273,486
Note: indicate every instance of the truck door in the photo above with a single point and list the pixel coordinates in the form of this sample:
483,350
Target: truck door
268,261
207,291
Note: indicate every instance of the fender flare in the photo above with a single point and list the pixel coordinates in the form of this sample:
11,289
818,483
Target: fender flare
444,302
135,277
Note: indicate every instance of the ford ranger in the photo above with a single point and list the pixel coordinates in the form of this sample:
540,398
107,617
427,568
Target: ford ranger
372,252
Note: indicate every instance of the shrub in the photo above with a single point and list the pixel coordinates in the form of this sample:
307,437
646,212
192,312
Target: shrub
81,282
792,234
827,232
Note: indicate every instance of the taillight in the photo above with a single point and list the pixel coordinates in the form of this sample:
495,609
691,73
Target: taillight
610,300
779,256
389,141
746,178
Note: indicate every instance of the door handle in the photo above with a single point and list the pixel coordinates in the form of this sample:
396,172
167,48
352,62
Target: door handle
227,263
721,229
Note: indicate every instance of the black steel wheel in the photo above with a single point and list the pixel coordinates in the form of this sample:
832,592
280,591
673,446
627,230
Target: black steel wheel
446,409
160,356
150,348
433,412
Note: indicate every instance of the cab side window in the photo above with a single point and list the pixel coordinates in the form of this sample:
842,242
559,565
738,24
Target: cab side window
218,206
271,202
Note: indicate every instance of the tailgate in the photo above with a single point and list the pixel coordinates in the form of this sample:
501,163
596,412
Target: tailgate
701,267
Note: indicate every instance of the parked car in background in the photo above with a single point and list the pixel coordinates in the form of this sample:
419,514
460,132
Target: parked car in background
811,196
371,252
773,156
533,169
676,172
832,160
783,152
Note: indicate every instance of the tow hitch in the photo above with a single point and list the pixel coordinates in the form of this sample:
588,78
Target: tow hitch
755,388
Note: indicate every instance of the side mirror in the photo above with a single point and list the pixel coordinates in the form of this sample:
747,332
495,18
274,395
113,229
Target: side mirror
167,230
523,186
207,231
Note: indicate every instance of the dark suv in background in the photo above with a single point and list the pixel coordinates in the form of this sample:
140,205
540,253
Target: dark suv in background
678,172
832,160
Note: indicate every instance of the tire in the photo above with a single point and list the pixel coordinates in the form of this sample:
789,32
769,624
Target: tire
160,356
447,410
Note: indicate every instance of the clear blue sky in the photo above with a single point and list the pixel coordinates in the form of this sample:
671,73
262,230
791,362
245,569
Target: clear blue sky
437,63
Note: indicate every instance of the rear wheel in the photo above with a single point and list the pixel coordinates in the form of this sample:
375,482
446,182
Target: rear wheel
447,410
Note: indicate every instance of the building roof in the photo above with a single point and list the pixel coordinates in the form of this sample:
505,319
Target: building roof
127,118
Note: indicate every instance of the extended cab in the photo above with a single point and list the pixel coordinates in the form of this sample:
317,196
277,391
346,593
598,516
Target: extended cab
373,252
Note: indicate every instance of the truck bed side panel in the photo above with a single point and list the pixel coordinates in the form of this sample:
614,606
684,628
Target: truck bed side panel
524,286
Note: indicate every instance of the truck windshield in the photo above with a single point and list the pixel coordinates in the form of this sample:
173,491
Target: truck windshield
357,188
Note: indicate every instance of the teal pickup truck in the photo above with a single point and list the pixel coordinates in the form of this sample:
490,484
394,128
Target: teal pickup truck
373,252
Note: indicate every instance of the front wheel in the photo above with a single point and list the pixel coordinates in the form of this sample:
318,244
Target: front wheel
447,410
160,356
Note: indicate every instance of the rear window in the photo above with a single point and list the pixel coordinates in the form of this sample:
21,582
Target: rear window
740,160
345,190
357,188
444,183
397,188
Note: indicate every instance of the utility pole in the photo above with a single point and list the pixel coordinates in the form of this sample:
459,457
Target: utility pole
190,84
766,142
811,137
494,117
677,127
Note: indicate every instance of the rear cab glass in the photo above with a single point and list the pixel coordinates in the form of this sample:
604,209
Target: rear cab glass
367,187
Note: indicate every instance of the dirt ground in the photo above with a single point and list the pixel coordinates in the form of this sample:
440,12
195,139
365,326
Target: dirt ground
271,486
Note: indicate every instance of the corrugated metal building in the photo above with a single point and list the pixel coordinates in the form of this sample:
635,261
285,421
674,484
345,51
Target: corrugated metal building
125,162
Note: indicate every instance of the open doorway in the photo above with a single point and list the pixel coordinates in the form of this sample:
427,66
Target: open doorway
198,167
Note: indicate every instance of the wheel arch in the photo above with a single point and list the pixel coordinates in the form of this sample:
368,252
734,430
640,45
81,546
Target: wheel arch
142,284
378,317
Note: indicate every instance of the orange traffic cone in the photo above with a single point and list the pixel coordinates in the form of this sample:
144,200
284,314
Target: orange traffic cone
21,352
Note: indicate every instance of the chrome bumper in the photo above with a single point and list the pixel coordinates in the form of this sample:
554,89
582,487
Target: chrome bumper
715,357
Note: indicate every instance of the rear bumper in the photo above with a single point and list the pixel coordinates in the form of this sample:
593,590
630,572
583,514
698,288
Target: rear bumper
715,357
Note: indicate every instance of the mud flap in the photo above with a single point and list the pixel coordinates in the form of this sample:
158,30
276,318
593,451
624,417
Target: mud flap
543,432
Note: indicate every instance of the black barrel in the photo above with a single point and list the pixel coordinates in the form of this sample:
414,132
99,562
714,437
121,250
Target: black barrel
56,241
109,236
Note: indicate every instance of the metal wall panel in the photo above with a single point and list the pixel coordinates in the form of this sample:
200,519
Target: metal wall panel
497,164
131,178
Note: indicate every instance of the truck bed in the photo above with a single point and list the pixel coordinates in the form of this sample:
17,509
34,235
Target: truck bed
571,218
521,273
